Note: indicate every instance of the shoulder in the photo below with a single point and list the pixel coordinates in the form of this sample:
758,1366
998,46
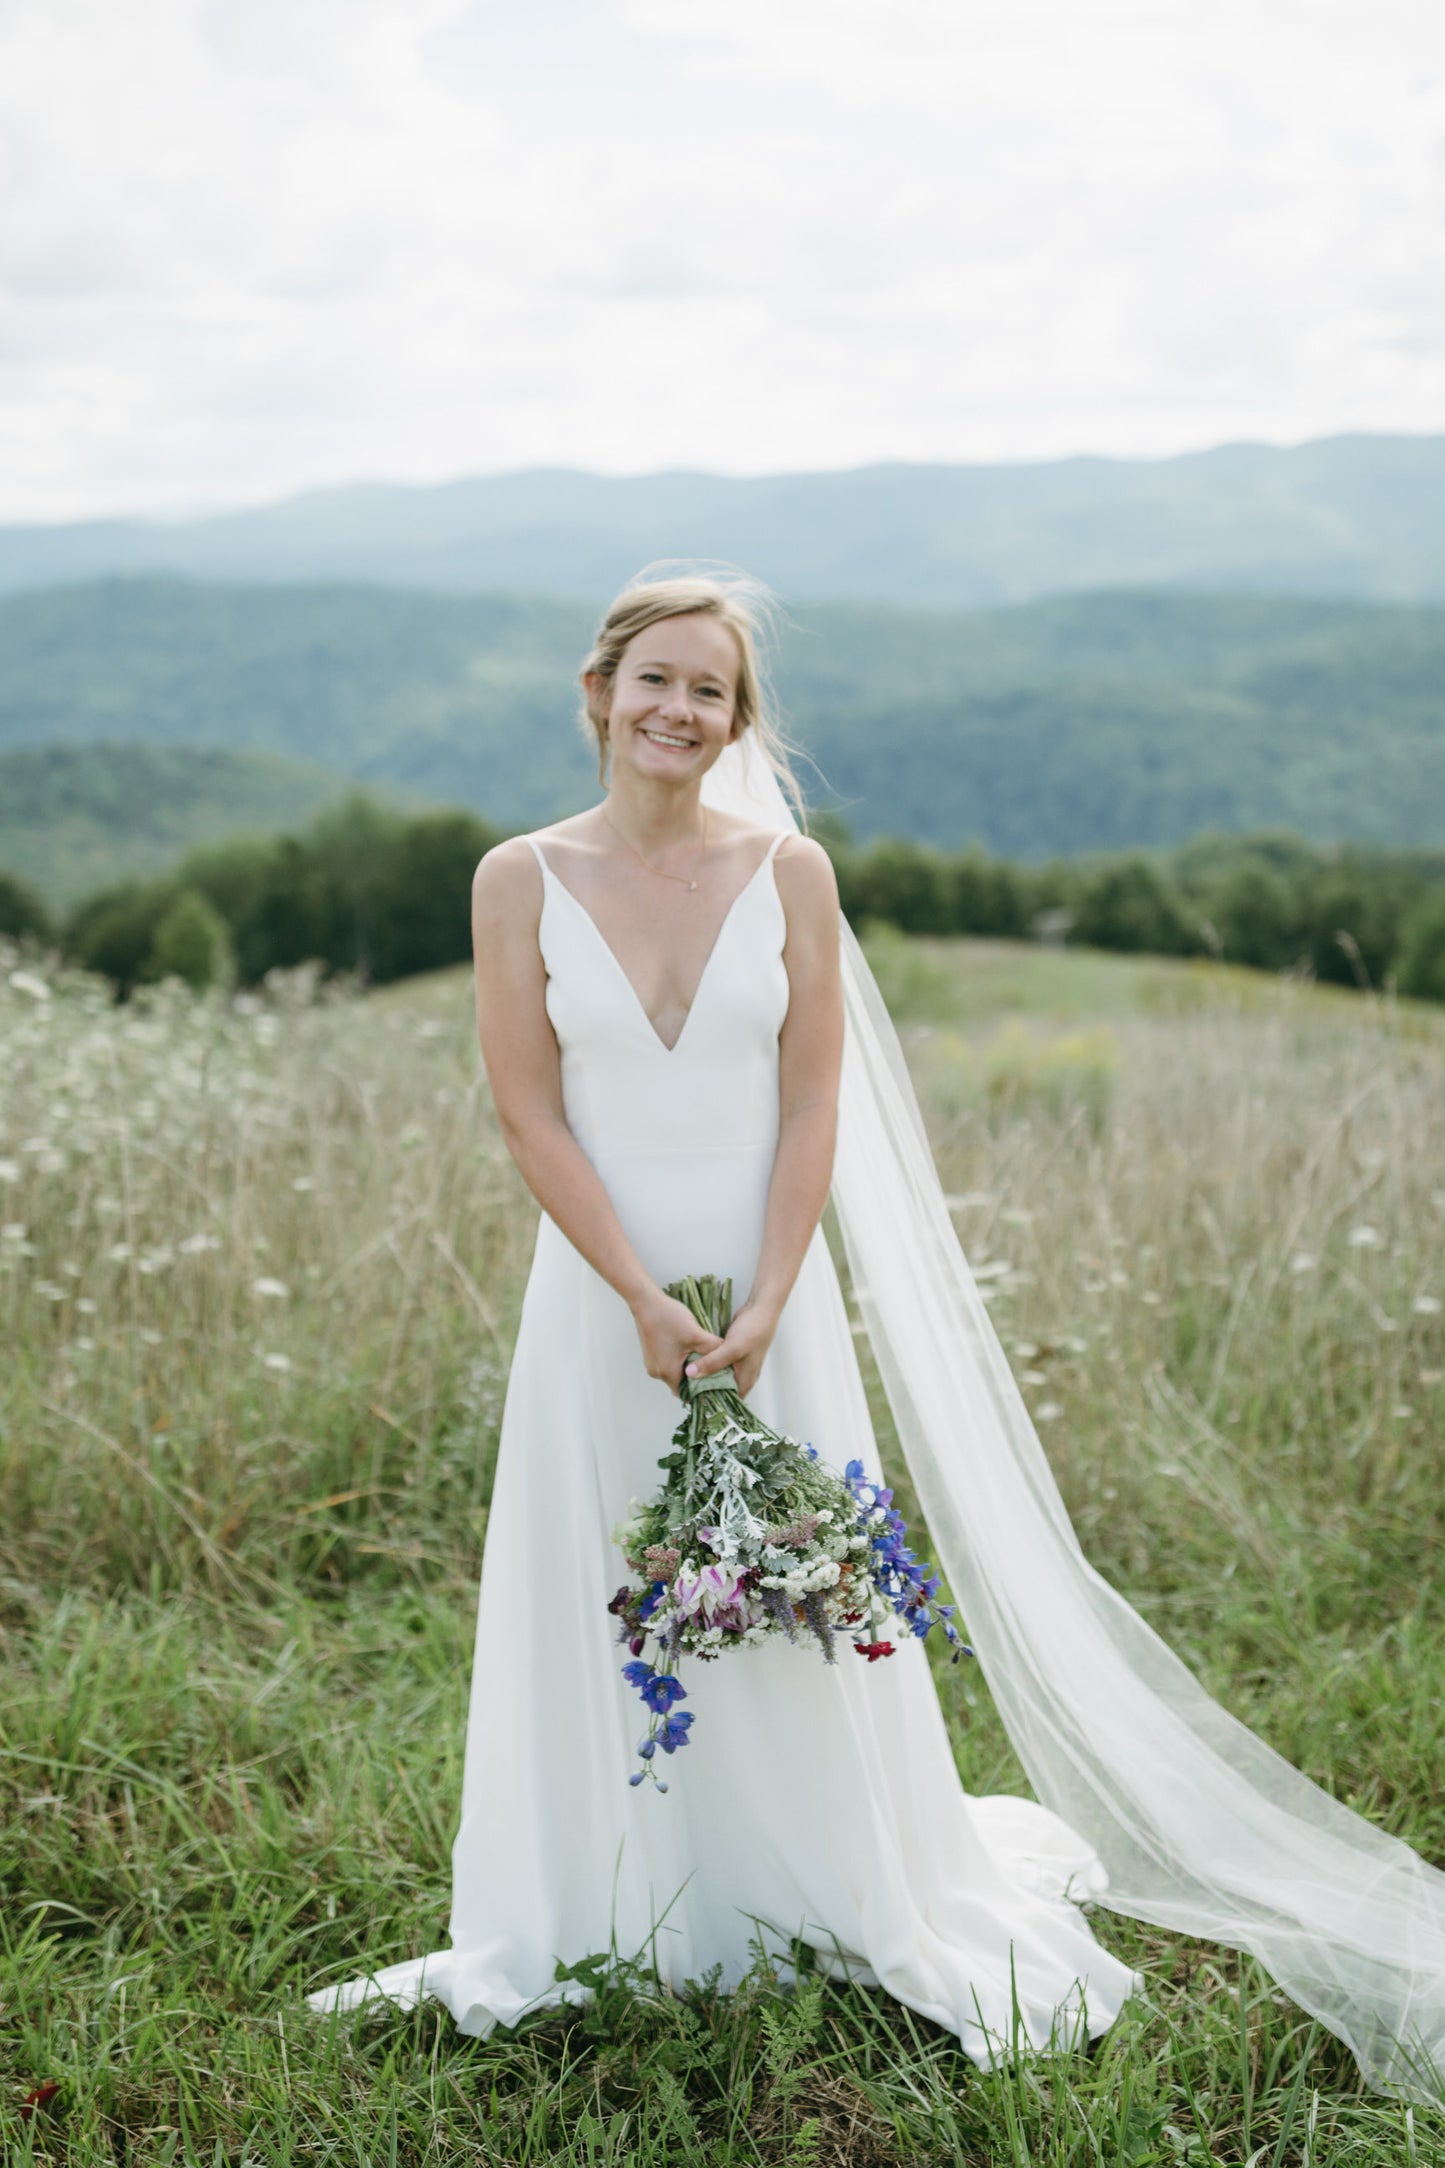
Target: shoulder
507,884
806,881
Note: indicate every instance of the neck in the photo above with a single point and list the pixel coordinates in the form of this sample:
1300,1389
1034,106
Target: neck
654,816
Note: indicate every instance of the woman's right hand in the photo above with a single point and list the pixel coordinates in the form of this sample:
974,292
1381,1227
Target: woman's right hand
669,1334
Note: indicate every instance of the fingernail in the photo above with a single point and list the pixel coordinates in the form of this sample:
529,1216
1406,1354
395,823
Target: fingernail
692,1370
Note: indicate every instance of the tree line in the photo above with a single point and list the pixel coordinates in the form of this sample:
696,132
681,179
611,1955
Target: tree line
366,891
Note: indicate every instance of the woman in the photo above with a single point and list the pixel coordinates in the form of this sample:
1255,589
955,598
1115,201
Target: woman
665,1017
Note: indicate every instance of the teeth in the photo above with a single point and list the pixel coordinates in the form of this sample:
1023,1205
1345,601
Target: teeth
660,737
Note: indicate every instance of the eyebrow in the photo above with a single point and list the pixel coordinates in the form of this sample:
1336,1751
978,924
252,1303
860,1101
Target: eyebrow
658,662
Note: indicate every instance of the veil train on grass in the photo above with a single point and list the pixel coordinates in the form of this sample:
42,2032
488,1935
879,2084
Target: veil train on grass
1201,1826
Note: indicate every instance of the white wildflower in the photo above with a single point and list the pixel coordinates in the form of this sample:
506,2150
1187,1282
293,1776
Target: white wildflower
1426,1306
86,1307
281,1364
149,1337
1302,1262
194,1245
30,983
50,1291
270,1290
303,1183
13,1231
119,1253
1047,1411
9,1170
1033,1377
1365,1238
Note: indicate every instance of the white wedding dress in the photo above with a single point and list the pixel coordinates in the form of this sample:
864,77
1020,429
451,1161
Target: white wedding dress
812,1801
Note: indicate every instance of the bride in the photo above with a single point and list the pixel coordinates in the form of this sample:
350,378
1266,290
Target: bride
686,1050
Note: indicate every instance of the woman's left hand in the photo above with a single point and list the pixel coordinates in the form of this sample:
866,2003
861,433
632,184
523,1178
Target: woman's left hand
749,1337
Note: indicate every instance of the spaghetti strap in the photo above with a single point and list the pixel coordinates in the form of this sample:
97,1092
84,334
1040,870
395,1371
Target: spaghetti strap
539,855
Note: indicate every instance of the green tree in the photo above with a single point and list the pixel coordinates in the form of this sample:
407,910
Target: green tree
113,933
1130,905
905,884
1258,917
192,942
1422,950
21,910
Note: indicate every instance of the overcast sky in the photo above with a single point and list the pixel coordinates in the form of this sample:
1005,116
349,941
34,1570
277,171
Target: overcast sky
247,246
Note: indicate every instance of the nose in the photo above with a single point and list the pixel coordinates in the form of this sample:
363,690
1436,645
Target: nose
676,703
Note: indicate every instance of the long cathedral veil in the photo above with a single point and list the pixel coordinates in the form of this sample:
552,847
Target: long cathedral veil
1200,1825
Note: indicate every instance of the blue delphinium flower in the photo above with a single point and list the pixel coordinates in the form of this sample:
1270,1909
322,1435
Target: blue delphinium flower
662,1690
674,1732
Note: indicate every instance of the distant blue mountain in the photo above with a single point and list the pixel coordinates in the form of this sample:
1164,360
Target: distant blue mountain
1355,516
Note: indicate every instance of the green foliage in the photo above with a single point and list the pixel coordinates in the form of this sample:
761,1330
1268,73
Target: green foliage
362,891
1422,955
191,942
21,910
1131,906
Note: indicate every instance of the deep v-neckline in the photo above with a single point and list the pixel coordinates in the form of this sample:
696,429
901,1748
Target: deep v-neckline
652,1031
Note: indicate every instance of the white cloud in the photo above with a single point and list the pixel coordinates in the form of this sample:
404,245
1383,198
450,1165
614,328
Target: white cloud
247,246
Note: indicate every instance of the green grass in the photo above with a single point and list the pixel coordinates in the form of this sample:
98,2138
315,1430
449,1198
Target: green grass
240,1532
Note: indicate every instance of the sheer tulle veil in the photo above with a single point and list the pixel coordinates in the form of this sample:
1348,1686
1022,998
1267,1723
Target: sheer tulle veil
1201,1826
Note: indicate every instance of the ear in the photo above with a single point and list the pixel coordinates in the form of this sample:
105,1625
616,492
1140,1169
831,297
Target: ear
599,693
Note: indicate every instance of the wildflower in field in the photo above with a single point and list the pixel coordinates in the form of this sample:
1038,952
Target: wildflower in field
281,1364
9,1170
1426,1306
1047,1411
1302,1262
271,1290
30,984
194,1245
1365,1238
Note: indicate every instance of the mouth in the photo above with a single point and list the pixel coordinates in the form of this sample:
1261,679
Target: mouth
664,737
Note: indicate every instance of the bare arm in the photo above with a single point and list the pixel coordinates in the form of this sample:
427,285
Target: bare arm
524,1070
810,1056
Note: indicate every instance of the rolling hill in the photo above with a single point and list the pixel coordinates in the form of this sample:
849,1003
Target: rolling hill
1360,516
1079,723
75,818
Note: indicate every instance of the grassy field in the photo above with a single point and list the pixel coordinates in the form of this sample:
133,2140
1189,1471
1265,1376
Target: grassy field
259,1270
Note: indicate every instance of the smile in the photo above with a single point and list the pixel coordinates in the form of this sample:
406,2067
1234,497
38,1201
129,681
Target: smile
661,737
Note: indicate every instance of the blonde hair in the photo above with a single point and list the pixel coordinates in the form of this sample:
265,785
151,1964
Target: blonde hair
743,605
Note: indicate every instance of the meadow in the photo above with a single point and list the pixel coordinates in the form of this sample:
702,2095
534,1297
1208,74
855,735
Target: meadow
260,1265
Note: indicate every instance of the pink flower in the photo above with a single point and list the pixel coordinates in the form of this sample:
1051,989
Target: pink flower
715,1589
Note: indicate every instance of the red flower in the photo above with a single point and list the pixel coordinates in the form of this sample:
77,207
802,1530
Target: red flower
40,2097
873,1649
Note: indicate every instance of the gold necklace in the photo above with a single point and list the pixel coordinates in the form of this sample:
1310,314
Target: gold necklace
681,879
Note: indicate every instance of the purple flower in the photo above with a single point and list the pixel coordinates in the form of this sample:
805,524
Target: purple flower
661,1691
674,1732
637,1674
652,1599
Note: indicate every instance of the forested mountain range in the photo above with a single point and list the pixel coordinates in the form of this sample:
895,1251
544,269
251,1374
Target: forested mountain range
1074,724
1360,516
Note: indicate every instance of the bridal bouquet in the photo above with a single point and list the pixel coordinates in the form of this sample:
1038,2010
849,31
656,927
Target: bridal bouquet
749,1536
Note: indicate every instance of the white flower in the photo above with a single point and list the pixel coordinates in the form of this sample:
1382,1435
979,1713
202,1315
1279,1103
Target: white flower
119,1253
50,1291
279,1363
195,1244
1047,1411
27,982
1302,1262
13,1231
50,1162
1366,1238
85,1306
1033,1377
271,1290
1426,1306
150,1338
303,1182
9,1170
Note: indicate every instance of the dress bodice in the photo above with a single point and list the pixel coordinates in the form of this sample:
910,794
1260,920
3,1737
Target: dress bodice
624,1091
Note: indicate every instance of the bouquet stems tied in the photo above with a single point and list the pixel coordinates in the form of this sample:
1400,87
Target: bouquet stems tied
749,1536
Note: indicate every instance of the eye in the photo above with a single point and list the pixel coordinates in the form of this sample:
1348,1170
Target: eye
650,677
710,692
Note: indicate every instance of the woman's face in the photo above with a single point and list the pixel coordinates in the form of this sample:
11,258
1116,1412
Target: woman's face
674,699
